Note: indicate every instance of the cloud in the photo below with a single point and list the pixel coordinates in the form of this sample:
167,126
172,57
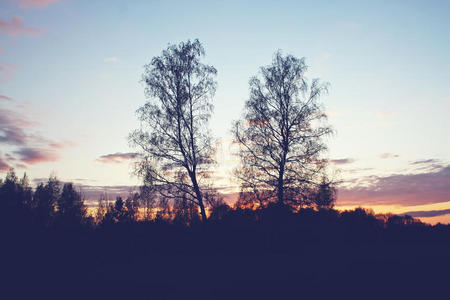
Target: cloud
6,98
357,170
388,155
342,161
112,59
399,189
92,192
12,127
28,147
117,157
15,27
36,155
35,3
39,180
427,164
61,145
2,50
424,161
3,165
427,213
7,72
10,131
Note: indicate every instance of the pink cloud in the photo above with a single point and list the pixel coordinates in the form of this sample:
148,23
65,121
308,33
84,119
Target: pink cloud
7,72
3,165
30,148
6,98
36,155
35,3
20,166
12,128
116,157
15,27
388,155
400,189
342,161
61,145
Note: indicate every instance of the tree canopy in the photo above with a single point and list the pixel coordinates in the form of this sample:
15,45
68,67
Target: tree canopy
280,135
175,143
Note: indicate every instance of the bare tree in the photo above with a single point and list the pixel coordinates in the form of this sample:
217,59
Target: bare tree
281,134
174,139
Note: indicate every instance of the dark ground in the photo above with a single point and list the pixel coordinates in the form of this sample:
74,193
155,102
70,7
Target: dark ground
170,262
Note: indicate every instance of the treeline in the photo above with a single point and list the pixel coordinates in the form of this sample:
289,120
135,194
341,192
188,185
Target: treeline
52,205
49,204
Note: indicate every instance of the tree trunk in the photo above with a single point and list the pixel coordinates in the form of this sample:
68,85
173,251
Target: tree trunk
280,187
199,195
203,211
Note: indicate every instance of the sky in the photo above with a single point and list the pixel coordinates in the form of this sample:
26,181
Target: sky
70,83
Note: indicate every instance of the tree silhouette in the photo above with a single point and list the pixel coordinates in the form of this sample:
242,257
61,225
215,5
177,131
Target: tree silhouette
280,136
9,190
44,200
148,201
174,139
324,196
71,208
101,209
132,207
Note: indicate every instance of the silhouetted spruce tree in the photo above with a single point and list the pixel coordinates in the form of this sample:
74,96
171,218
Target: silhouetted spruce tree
324,195
9,195
174,139
281,134
119,210
26,192
70,206
15,199
44,200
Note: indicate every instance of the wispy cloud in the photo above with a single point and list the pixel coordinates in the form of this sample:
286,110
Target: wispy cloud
12,128
427,164
3,165
388,155
342,161
35,3
36,155
16,131
92,192
117,157
7,71
424,161
15,27
6,98
427,213
357,170
112,59
399,189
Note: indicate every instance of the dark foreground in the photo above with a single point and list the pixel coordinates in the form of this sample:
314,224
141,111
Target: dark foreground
239,255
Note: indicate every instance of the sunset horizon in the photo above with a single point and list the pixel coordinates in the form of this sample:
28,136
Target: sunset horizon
71,84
